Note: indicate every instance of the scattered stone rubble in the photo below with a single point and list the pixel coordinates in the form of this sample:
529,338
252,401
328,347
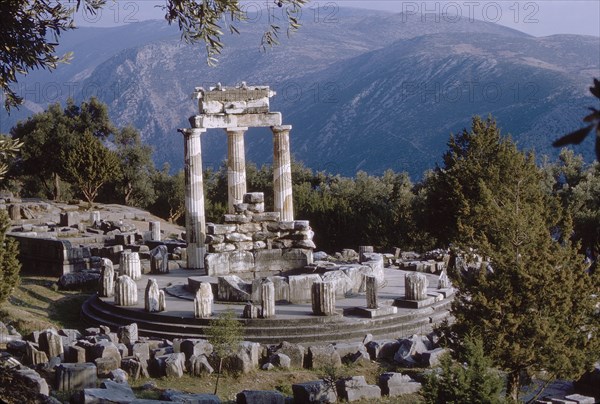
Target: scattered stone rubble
98,364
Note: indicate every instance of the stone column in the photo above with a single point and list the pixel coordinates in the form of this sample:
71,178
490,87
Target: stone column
267,297
236,167
282,172
106,287
154,228
371,282
203,301
323,298
131,265
443,280
162,302
362,250
151,296
415,286
125,291
94,216
195,222
159,260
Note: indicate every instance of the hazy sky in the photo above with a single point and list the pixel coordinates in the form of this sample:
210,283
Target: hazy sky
539,18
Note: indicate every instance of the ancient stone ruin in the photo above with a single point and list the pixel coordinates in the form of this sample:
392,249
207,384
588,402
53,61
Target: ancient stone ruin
259,262
234,109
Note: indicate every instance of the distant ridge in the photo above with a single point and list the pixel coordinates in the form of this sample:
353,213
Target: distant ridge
369,91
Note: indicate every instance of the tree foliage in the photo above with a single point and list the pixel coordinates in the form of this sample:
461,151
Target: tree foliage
136,168
468,380
344,212
49,135
9,264
30,31
89,165
28,38
225,334
170,195
532,303
593,121
577,186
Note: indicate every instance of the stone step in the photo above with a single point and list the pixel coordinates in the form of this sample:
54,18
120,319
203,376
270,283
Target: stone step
260,327
335,330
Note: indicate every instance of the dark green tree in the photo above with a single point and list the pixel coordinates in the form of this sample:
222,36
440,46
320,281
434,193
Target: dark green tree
136,167
170,195
52,133
577,186
9,264
533,304
89,165
469,379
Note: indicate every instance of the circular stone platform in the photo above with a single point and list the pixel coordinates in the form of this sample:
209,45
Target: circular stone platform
292,323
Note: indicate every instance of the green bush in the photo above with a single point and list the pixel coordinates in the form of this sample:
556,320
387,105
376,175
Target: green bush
470,382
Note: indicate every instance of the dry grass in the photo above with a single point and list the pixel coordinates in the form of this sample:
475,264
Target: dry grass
280,380
37,304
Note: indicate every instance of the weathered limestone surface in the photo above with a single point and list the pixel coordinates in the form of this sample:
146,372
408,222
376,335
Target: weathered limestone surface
255,242
443,281
371,283
131,265
410,350
267,119
322,356
323,298
128,334
356,388
154,228
250,311
75,376
232,288
33,356
301,287
51,343
415,286
341,281
106,287
195,221
260,397
282,172
317,391
33,379
198,365
362,251
236,167
245,359
267,293
125,291
395,384
159,260
203,301
294,351
109,392
152,296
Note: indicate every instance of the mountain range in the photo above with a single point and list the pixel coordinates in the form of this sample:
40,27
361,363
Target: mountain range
364,90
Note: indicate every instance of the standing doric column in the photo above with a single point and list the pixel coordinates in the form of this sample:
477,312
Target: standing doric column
282,172
195,221
236,166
